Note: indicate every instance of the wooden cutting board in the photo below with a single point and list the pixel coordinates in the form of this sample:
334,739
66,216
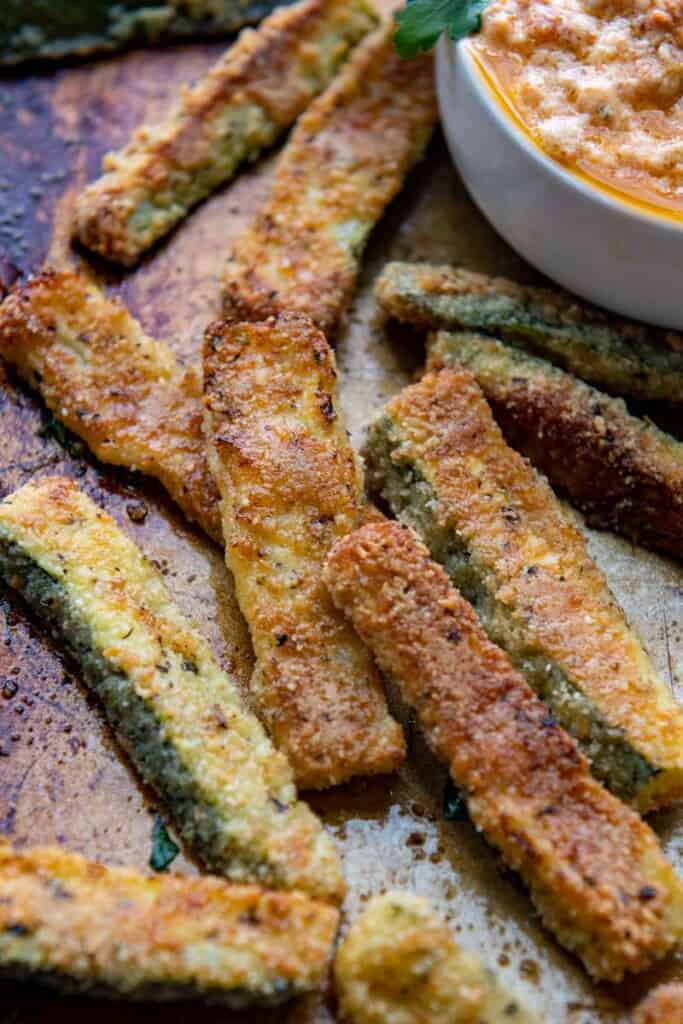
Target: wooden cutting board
62,777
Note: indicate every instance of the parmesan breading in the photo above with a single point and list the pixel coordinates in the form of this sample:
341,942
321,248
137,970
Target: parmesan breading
346,160
619,356
120,391
594,868
244,103
72,923
180,718
662,1006
291,485
400,964
438,457
620,470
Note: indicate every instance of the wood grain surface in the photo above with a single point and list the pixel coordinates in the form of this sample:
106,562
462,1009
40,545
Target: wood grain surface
62,778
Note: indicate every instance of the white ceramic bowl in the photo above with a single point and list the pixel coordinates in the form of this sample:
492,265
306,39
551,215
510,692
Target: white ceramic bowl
607,250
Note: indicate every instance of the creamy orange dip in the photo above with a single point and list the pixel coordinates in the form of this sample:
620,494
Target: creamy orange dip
598,84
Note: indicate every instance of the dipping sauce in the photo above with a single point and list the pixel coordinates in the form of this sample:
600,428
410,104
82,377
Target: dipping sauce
598,84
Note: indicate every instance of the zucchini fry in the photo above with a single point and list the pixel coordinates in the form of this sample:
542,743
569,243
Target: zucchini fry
663,1006
120,391
400,964
594,868
346,160
244,103
623,472
619,356
78,925
291,485
179,717
33,29
440,460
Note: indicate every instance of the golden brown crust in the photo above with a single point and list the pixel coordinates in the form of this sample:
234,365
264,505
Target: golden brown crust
621,356
119,390
291,485
65,919
536,562
399,963
346,160
181,719
256,90
594,868
558,306
663,1006
621,471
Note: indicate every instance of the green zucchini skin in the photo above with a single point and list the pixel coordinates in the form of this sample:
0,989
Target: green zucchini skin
115,933
621,471
49,30
439,460
131,718
180,719
152,992
620,356
614,761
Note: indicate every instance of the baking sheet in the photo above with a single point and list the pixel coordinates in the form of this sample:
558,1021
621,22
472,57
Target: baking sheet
62,778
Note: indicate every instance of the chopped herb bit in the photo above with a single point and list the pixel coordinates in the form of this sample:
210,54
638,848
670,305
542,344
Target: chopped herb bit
164,850
454,806
50,426
421,22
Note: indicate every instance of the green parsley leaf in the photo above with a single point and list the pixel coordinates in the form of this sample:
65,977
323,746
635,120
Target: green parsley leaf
164,850
421,22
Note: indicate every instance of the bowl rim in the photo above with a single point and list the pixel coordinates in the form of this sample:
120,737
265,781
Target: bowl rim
462,50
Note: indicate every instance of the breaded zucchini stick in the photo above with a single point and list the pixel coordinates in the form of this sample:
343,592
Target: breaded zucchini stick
291,485
400,964
594,868
662,1006
244,103
439,459
622,471
119,390
179,717
346,160
33,29
620,356
71,923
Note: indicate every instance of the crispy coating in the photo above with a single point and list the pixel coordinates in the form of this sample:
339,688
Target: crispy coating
245,102
76,924
180,718
291,485
400,964
32,29
346,160
119,390
440,460
594,868
623,472
662,1006
620,356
